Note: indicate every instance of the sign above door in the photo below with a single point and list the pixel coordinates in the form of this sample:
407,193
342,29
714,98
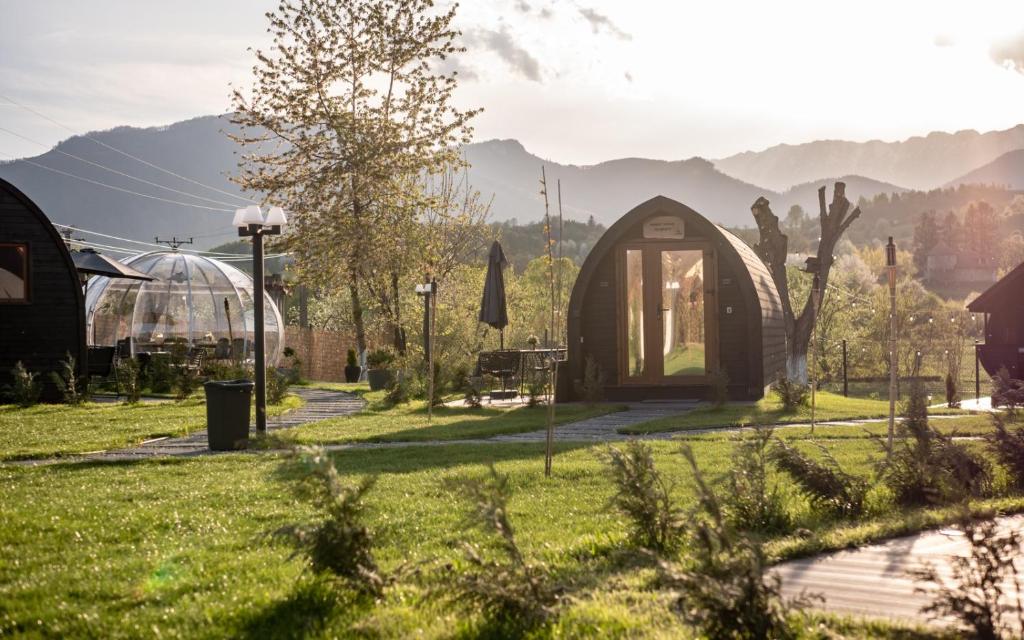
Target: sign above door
664,227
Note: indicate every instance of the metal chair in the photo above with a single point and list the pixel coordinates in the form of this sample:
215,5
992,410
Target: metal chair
503,365
103,364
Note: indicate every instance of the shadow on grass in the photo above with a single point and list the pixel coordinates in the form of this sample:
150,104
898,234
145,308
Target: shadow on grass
314,605
411,459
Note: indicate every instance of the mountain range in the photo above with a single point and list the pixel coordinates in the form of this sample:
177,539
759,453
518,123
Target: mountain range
201,157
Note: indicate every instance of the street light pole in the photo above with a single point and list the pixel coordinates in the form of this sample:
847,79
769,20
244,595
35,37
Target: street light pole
252,224
890,262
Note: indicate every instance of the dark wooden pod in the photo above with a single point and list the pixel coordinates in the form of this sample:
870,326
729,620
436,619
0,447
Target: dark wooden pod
627,308
42,318
1003,307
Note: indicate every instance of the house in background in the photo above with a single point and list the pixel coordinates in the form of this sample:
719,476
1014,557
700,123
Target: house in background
1003,307
42,310
958,271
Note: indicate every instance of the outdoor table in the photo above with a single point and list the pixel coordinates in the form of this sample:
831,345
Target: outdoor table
520,361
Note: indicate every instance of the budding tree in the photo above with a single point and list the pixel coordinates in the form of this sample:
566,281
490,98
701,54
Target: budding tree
349,113
773,247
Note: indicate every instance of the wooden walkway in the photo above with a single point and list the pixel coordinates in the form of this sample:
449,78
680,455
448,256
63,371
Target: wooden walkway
873,581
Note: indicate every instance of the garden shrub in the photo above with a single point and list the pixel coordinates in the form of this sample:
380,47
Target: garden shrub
129,380
952,393
400,388
186,381
643,496
338,543
509,591
1008,448
380,358
293,370
825,484
228,371
26,388
927,467
536,389
277,385
350,358
792,394
473,392
73,388
1006,391
159,375
727,591
752,505
974,592
593,381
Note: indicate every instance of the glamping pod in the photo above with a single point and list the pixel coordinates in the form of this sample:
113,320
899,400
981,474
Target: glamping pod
42,316
1003,306
192,300
666,303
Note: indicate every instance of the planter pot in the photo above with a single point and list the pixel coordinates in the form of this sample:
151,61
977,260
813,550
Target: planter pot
378,378
352,373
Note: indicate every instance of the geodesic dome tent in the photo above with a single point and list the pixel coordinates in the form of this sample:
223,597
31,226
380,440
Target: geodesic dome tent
193,299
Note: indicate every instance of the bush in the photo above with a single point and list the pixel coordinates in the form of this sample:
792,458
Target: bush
128,378
509,591
792,394
26,388
293,368
277,385
593,381
350,358
825,485
728,591
536,389
751,504
1006,391
975,592
338,544
73,389
656,522
380,358
952,393
1008,448
186,381
400,389
473,392
719,388
928,468
159,375
228,371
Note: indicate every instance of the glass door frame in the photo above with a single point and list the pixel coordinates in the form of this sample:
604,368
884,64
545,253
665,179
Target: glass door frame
653,327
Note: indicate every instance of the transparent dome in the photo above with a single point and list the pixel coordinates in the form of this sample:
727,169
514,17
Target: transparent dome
192,299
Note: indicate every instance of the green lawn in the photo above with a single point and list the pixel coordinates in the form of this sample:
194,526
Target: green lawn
55,430
686,360
176,548
829,406
380,422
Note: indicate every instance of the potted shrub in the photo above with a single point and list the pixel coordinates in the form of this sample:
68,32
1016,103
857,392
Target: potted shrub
378,371
352,368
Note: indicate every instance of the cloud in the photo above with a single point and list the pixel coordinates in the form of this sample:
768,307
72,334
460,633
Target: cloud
629,77
522,5
502,43
1009,52
944,40
600,21
452,65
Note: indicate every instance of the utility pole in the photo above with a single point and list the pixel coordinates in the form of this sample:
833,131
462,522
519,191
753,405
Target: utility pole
173,243
890,263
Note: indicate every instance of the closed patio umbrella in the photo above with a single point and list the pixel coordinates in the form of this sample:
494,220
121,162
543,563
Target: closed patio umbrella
493,307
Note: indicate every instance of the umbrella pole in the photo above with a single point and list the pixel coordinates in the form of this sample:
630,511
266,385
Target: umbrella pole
501,339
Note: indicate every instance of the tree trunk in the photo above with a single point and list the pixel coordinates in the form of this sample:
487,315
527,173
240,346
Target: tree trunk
773,248
357,312
399,330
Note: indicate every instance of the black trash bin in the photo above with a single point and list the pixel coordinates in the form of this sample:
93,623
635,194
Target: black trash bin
227,413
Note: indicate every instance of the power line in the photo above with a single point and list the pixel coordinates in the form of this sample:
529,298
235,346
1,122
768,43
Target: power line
115,171
128,155
150,246
110,186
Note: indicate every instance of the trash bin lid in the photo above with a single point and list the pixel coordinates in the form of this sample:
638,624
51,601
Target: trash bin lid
230,385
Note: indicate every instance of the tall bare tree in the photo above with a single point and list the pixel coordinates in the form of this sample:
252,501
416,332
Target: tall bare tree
773,248
345,106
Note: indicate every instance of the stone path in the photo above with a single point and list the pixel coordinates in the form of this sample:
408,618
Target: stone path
605,427
873,580
318,405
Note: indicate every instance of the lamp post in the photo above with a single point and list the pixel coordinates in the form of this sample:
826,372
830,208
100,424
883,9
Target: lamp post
428,291
890,263
252,224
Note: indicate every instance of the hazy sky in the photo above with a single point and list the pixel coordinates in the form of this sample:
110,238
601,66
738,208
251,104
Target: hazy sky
574,80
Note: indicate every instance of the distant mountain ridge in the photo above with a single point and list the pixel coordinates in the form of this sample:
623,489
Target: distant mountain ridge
1006,170
920,162
501,169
